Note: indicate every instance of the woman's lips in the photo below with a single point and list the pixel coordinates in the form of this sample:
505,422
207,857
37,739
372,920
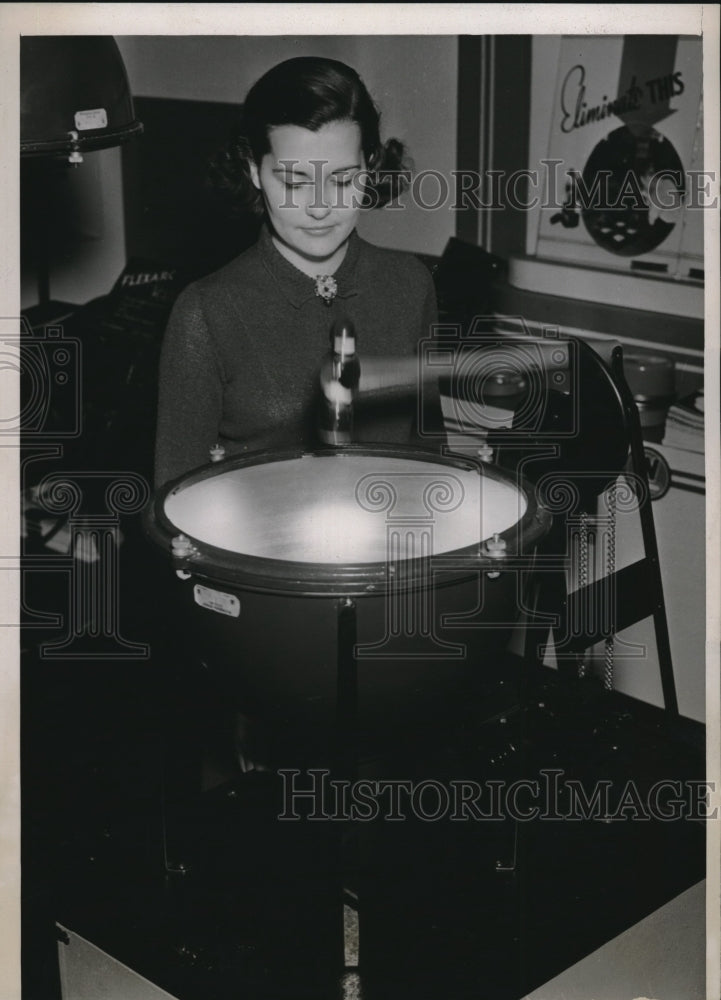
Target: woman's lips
318,230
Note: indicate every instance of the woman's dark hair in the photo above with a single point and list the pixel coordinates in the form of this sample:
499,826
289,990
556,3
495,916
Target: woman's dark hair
309,92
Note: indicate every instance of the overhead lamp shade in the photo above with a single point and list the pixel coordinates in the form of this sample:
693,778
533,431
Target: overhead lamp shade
74,95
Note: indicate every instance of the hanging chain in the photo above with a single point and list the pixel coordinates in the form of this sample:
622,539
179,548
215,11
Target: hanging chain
583,580
611,569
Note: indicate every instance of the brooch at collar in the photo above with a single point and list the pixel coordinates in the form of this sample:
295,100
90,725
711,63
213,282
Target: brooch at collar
326,287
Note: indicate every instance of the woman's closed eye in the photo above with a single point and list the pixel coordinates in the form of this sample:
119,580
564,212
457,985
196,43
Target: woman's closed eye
294,182
341,182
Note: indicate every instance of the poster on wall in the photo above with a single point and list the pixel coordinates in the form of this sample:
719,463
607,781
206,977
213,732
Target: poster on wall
625,150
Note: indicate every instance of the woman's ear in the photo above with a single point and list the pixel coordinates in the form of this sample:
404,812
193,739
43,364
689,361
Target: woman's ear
254,173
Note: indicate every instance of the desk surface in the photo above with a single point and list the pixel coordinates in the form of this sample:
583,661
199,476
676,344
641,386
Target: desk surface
661,958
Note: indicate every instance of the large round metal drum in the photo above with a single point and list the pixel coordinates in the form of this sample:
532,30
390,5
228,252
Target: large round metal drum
276,552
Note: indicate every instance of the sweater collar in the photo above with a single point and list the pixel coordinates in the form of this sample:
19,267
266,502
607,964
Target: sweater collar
297,287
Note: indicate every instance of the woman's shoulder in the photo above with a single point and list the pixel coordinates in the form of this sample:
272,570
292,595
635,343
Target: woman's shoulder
210,291
246,264
394,263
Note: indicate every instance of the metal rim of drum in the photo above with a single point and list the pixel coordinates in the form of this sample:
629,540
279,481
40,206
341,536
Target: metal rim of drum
281,576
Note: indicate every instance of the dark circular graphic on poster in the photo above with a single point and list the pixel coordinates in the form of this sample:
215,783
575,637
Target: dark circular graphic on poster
640,185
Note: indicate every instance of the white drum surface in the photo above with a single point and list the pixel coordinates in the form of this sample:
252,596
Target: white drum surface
343,508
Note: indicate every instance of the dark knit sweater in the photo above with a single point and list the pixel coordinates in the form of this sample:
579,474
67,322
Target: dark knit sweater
243,348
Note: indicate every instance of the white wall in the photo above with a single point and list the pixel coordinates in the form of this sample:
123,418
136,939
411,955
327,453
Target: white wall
413,79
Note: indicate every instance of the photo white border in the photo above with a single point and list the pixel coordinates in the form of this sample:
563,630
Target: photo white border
361,19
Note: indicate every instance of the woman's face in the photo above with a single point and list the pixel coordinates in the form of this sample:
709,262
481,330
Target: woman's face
307,182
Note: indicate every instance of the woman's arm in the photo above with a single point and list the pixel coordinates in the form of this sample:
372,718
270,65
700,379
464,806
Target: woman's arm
190,392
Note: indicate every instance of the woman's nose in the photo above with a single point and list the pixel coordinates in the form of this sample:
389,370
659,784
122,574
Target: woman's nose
318,208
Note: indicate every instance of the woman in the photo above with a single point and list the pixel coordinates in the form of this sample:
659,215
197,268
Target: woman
243,346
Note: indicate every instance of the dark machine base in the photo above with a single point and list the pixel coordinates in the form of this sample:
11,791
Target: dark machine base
458,909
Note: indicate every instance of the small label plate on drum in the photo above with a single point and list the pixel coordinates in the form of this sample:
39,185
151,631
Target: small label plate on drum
215,600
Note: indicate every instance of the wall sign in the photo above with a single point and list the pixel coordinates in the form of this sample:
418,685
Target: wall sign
624,154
